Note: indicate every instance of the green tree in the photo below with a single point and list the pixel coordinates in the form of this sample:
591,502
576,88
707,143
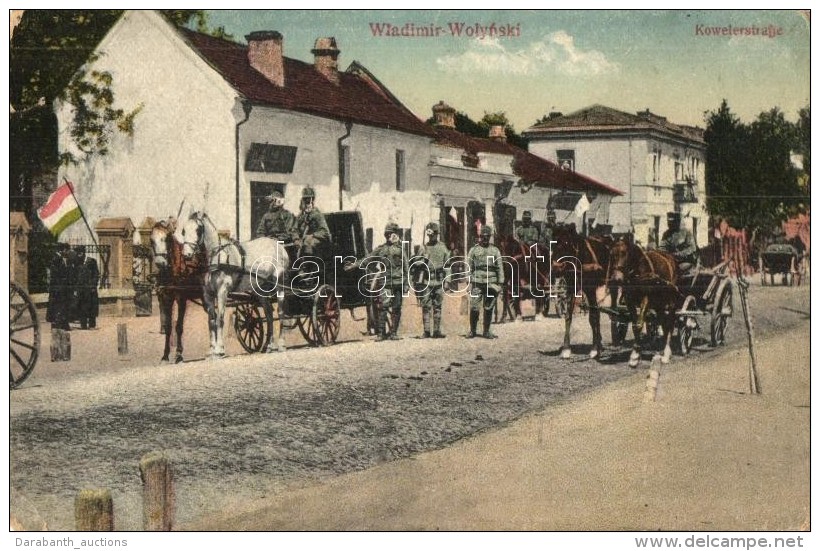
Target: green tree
481,129
750,180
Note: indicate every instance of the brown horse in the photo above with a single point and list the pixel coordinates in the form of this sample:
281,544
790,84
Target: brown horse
648,280
583,262
526,276
178,281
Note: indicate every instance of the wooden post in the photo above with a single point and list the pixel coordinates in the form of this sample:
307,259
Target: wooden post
157,492
60,345
122,339
754,382
94,511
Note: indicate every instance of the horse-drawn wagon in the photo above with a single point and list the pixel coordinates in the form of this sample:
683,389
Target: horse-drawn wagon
781,259
267,282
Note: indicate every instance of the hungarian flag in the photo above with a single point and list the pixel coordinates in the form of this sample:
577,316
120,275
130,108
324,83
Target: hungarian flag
61,210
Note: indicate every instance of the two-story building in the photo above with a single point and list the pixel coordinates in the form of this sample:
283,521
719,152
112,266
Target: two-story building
659,166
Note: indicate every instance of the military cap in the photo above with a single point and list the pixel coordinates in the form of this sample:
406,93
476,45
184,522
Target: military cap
527,214
432,227
275,195
308,193
486,230
673,216
79,249
391,227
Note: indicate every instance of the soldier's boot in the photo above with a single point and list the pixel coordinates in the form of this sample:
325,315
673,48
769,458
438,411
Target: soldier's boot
473,323
437,334
425,317
488,318
394,335
381,333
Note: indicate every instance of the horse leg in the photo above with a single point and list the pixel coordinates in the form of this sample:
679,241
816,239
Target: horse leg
668,327
566,349
167,308
594,324
182,304
219,322
638,319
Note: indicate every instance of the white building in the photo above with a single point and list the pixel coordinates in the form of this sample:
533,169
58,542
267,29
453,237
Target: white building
488,180
657,165
221,125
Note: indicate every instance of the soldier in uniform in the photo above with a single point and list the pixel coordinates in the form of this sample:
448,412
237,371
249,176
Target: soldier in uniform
396,266
679,242
311,225
278,223
87,278
526,232
546,235
486,281
59,288
436,256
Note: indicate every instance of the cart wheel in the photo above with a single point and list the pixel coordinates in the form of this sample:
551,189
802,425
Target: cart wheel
563,299
24,335
308,330
686,326
326,315
721,312
374,308
251,323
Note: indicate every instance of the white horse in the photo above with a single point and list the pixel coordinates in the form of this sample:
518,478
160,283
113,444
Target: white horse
256,267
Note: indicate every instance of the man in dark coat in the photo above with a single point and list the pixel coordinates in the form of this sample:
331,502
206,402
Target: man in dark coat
87,278
59,288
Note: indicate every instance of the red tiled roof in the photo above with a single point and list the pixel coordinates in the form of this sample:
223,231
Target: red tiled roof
602,118
305,89
531,168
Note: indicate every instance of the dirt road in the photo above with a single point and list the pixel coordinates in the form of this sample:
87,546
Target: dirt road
523,439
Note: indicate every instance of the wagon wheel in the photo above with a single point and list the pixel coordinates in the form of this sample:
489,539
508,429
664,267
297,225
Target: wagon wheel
562,300
308,330
251,323
686,326
326,316
24,335
374,308
721,312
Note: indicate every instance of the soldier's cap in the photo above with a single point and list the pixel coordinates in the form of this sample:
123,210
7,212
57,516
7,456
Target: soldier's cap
432,227
391,227
308,193
79,249
527,214
673,216
275,195
486,230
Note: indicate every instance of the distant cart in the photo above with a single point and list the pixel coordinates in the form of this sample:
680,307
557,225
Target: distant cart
783,260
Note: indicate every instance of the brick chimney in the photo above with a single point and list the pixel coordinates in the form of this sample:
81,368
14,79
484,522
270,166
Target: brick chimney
444,115
265,55
497,133
325,59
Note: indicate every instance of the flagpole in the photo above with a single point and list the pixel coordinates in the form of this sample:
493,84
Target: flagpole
87,225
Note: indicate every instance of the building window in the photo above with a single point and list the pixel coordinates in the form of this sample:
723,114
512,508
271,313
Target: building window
655,165
265,157
679,171
344,168
566,159
400,170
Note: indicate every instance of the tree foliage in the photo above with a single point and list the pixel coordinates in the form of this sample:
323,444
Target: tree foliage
750,179
47,58
481,129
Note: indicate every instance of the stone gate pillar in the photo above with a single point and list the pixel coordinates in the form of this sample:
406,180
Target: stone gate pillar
118,233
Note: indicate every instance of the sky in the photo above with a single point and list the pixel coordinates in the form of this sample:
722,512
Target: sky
669,61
